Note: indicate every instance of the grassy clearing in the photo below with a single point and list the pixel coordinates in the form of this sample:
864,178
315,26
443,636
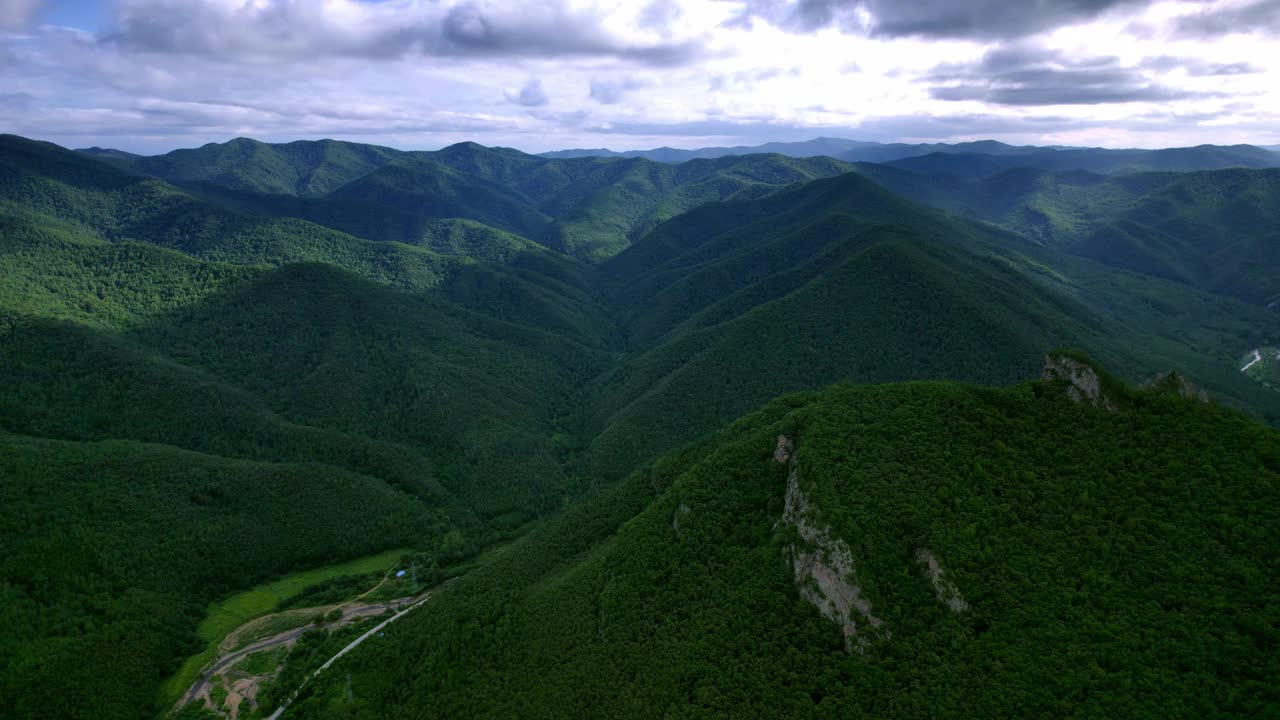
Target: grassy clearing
261,663
224,617
276,624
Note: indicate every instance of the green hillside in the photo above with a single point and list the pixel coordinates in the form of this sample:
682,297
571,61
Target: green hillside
1215,231
1097,160
1263,365
457,345
297,168
838,280
971,158
47,191
589,208
978,552
429,405
114,549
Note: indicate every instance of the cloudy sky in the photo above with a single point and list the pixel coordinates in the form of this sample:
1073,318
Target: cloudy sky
152,75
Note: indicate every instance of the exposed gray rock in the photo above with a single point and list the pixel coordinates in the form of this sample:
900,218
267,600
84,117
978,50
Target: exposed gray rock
782,453
945,590
675,517
1083,383
1178,383
823,565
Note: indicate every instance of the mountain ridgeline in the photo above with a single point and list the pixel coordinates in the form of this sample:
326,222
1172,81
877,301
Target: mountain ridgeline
975,158
224,364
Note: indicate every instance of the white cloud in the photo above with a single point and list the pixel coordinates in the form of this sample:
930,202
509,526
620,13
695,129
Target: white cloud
302,30
421,74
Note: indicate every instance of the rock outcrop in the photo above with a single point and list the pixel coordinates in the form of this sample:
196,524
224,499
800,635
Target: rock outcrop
1083,383
675,517
823,563
782,453
945,590
1177,383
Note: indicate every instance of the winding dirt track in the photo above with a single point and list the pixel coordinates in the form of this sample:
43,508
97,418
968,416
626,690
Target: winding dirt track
414,603
200,686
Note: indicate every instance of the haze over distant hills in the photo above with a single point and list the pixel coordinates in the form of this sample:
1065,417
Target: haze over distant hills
979,157
831,147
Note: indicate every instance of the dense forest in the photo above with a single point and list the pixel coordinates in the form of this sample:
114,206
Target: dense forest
223,365
1100,564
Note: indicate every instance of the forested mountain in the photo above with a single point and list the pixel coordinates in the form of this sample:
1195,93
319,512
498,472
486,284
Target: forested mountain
1098,160
589,208
1217,231
114,549
430,385
918,550
852,150
298,168
733,303
977,159
453,346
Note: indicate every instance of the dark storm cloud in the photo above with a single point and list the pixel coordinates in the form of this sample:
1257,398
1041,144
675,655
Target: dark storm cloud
1027,75
1261,16
284,30
974,19
610,91
531,95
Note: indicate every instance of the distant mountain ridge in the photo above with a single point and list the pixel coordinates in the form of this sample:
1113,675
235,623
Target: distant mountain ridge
840,148
979,158
1216,229
1103,161
586,207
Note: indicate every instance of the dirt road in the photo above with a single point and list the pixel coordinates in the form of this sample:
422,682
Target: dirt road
350,614
354,643
226,661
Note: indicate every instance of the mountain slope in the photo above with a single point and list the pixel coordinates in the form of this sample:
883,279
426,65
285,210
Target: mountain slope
114,550
838,280
425,406
45,189
973,159
1215,231
589,208
1049,558
476,380
49,186
1098,160
850,150
297,168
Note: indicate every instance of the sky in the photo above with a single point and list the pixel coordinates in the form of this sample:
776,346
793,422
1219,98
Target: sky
153,75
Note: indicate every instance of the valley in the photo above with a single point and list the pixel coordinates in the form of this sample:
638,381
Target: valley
238,658
240,384
227,622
